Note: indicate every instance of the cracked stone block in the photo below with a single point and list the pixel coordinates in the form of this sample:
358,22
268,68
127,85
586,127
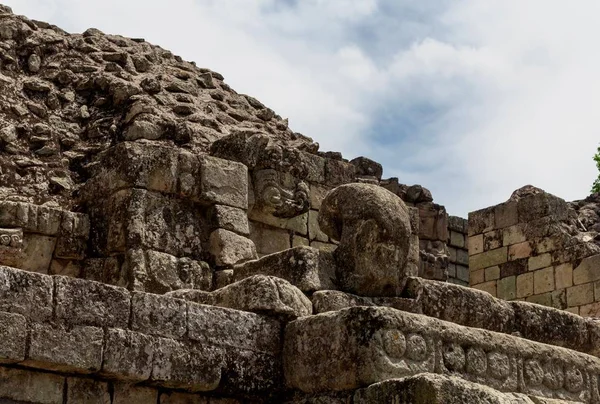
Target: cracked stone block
57,348
26,293
128,354
83,302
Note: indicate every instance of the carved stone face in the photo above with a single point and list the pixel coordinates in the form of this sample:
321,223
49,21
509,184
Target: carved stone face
280,201
373,228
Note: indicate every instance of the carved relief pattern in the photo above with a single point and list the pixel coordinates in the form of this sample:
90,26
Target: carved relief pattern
277,200
11,238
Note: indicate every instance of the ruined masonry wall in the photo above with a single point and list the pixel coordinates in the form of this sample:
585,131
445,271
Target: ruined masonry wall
458,240
522,250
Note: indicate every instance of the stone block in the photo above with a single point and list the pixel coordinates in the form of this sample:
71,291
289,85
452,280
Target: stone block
258,294
590,310
541,205
304,267
339,172
476,244
57,348
477,276
188,175
543,280
299,241
580,294
223,182
489,258
520,250
297,224
13,334
462,257
433,389
506,288
87,391
513,235
34,255
317,194
175,397
158,315
457,224
83,302
515,267
506,215
538,262
190,367
492,240
433,222
135,165
457,239
269,240
65,267
525,285
223,278
481,221
551,326
229,218
157,272
460,305
229,248
325,247
492,273
26,293
130,394
31,387
233,328
587,271
488,287
462,273
547,245
544,299
128,355
315,167
314,231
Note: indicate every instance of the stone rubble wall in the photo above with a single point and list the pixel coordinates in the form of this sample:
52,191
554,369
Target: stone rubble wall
527,249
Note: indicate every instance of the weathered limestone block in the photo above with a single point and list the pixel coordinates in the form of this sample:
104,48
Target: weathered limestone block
433,222
360,346
31,218
134,165
229,248
366,167
333,300
536,206
228,218
223,182
157,272
13,334
26,293
233,329
373,227
128,354
259,294
158,315
31,387
130,394
84,302
191,367
30,252
304,267
551,326
77,349
339,172
269,240
87,391
461,305
137,218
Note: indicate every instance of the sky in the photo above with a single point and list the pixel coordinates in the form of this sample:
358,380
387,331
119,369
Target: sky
470,98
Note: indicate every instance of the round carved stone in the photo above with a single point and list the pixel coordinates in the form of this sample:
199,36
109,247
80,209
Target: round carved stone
5,239
534,373
394,343
574,380
498,365
454,356
373,228
554,375
476,361
416,347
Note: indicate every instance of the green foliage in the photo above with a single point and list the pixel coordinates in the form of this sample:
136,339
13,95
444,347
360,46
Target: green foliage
596,185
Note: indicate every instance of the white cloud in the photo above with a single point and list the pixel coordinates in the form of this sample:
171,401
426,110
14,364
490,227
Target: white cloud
497,93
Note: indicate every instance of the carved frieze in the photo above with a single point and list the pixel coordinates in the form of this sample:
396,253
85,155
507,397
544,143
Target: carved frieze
11,239
279,200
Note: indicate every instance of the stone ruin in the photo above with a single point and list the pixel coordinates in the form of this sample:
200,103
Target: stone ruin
164,239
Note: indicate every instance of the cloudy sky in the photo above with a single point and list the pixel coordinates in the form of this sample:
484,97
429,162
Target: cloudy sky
470,98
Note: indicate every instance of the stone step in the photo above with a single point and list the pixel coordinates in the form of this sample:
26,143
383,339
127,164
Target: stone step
356,347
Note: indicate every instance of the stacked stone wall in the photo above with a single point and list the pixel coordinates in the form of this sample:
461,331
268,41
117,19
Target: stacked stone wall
524,249
458,254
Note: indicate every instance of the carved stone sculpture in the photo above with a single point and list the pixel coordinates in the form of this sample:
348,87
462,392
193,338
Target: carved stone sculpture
274,198
373,228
